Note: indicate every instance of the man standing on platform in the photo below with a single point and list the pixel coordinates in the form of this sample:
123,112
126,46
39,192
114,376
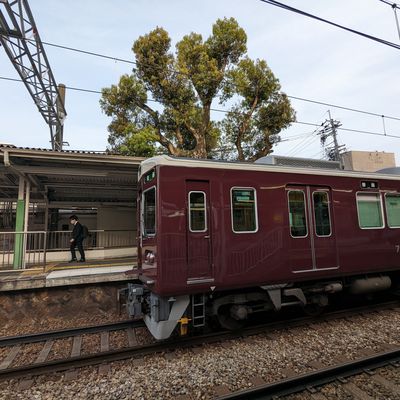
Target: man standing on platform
77,239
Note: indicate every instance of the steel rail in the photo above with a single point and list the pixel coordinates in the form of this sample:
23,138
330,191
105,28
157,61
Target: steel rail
321,377
43,336
173,344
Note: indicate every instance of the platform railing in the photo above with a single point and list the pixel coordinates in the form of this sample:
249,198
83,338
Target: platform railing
13,250
15,254
98,239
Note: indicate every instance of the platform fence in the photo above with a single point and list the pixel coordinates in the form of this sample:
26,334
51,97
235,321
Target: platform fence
27,249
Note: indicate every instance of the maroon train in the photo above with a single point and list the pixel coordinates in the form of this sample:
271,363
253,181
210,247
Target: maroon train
224,240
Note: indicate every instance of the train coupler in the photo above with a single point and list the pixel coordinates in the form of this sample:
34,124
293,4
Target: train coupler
135,299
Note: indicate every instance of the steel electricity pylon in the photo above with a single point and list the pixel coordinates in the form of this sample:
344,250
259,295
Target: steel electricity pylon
21,41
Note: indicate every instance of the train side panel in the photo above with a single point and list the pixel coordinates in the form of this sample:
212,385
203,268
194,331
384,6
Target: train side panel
198,250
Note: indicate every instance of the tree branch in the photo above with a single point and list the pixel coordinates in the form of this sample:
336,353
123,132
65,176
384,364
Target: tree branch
243,128
161,138
260,153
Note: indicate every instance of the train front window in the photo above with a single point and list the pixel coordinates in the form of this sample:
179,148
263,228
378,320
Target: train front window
393,210
321,213
149,212
369,210
297,213
244,210
197,212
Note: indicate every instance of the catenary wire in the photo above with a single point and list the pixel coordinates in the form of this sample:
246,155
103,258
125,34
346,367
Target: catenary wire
306,14
91,53
393,5
222,111
344,108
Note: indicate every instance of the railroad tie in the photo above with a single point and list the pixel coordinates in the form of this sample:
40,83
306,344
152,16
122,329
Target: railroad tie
389,346
10,357
366,352
104,369
288,373
380,380
221,390
71,375
44,352
356,392
25,384
257,381
316,364
341,359
132,340
170,355
104,341
76,346
318,396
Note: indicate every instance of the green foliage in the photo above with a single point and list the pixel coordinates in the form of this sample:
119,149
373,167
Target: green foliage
185,85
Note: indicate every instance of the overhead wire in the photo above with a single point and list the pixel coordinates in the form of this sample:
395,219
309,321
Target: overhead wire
298,149
344,108
303,143
108,57
393,5
223,111
288,8
306,14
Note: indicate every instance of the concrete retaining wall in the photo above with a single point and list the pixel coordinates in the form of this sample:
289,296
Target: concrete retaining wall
57,308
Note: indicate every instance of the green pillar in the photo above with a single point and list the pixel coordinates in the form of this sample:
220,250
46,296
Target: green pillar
19,227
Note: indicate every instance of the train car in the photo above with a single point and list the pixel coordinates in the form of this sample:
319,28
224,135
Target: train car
221,240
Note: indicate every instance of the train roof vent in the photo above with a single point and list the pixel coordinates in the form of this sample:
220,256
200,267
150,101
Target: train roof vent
299,162
391,171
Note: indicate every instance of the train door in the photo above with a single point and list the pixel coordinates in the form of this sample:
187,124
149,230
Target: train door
312,238
199,263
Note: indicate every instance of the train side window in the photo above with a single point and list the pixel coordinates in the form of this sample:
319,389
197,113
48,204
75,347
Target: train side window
392,202
321,214
244,210
197,212
297,213
149,212
369,208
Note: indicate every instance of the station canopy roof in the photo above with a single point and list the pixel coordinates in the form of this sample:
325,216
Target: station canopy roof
69,178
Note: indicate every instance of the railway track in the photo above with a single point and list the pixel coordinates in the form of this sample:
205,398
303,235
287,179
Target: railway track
42,365
70,332
309,383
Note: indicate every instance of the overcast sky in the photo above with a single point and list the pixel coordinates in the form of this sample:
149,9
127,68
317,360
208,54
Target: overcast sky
311,59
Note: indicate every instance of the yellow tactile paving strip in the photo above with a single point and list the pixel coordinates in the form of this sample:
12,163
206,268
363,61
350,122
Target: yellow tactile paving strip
32,271
86,265
36,270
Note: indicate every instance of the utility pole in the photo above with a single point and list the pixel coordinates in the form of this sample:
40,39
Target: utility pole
334,125
329,130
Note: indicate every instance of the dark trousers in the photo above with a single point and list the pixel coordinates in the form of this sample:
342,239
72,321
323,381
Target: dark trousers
79,244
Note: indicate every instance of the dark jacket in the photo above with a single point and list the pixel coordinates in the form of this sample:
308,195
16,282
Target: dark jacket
77,232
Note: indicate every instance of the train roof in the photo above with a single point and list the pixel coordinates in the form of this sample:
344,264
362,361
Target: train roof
152,162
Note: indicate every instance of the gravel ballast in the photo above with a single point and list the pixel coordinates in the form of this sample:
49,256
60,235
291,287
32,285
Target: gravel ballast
232,364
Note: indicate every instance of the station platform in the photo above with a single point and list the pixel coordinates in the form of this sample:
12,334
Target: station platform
69,274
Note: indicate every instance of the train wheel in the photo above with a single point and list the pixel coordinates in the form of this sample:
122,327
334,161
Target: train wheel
313,310
226,320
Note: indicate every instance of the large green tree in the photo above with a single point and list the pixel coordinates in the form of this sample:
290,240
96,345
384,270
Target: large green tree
165,105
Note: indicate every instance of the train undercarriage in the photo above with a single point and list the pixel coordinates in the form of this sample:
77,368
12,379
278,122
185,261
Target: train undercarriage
231,309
